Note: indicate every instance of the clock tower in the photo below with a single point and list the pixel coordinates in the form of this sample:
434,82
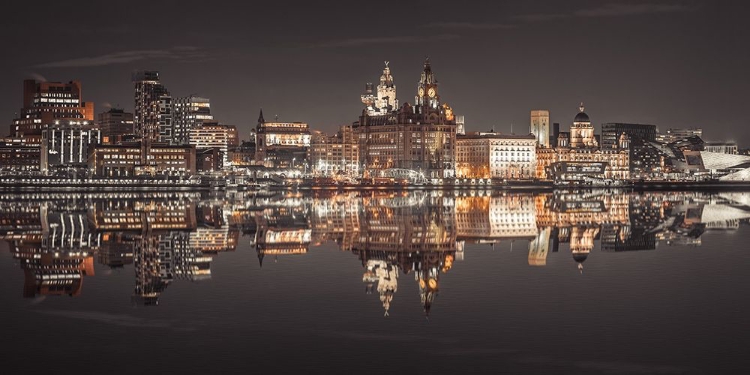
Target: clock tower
427,89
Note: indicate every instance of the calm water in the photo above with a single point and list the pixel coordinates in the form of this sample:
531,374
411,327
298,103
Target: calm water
587,282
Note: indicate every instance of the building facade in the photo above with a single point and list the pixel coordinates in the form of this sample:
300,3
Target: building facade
420,138
721,147
68,145
142,158
675,134
114,124
282,144
152,114
495,155
16,156
188,113
213,135
333,155
540,127
49,103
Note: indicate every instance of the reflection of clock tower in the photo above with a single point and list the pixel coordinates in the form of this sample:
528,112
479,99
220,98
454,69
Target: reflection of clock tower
427,90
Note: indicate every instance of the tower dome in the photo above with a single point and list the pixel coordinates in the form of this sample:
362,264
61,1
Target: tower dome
581,116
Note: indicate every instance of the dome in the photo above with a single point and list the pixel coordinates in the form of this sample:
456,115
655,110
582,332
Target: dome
582,117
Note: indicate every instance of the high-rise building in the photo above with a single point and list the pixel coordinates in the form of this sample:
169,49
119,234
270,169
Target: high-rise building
675,134
540,126
115,123
152,115
47,103
420,138
644,157
282,144
212,135
611,132
188,113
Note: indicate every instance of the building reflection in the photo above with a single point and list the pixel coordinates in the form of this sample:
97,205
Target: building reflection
174,237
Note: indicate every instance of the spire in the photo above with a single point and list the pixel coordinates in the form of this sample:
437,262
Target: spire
581,107
260,117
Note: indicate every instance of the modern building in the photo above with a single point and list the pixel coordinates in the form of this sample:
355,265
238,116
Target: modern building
48,103
152,115
420,138
17,156
495,155
675,134
611,132
213,135
67,145
721,147
334,155
282,144
540,127
114,124
188,113
142,158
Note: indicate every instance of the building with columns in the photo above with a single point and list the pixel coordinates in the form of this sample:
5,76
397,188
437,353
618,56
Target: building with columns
282,144
496,155
421,138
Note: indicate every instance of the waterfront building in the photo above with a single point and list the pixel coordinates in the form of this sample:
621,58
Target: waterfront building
612,131
67,145
17,156
721,147
578,155
334,155
491,218
137,158
188,113
49,103
420,138
540,127
675,134
282,144
243,155
645,159
496,155
114,124
153,107
213,135
208,160
385,100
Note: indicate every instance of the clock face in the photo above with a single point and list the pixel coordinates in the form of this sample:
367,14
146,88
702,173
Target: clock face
431,92
421,91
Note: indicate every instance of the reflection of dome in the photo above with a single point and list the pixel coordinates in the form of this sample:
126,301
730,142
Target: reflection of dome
580,257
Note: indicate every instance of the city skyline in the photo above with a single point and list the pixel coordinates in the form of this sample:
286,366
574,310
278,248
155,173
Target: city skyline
646,62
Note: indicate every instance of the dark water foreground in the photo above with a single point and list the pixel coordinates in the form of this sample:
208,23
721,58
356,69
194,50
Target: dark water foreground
376,282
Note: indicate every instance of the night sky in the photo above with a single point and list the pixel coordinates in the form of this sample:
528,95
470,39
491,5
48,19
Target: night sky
672,64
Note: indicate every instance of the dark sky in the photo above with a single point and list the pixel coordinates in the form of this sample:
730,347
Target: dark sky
669,63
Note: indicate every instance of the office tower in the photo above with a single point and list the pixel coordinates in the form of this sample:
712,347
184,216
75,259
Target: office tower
212,135
48,103
152,110
188,113
115,123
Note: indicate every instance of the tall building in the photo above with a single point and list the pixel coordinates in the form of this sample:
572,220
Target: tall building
645,159
582,132
675,134
386,100
494,155
188,113
48,103
282,144
540,126
212,135
420,138
115,123
152,115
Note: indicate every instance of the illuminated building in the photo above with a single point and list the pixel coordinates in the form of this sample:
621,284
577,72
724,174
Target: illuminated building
337,154
494,155
420,138
67,144
114,124
48,103
213,135
612,131
187,114
243,155
17,156
721,147
675,134
578,155
539,247
282,144
385,101
540,127
153,107
386,276
214,240
283,231
208,160
122,215
129,159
